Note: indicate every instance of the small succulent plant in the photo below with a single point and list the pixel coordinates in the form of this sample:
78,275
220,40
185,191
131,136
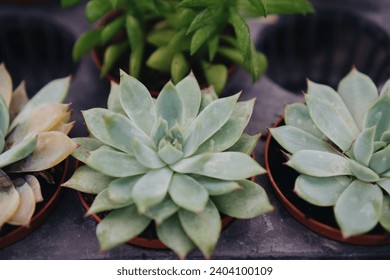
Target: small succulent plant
339,143
33,138
179,160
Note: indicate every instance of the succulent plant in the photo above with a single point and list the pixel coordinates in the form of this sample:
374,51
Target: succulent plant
179,161
33,138
339,143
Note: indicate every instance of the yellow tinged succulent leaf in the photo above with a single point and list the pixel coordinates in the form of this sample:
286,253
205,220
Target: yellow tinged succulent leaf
18,152
63,127
35,186
18,101
26,207
9,198
5,85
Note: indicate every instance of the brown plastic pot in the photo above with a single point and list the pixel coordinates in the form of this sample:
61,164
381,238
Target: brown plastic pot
319,219
16,233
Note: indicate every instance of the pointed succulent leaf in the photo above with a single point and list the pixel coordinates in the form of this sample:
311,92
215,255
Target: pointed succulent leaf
378,145
120,226
88,180
231,131
135,97
33,182
386,88
120,190
113,101
2,142
384,184
18,152
321,191
5,85
216,75
246,144
297,115
201,36
293,139
152,188
95,9
4,117
330,122
111,29
112,54
187,193
52,148
379,115
114,163
380,161
385,137
241,30
179,67
358,208
162,211
55,91
169,105
168,153
225,166
319,164
86,145
63,127
384,219
26,207
217,187
9,198
248,202
161,59
146,155
358,92
208,122
102,202
208,95
172,234
203,228
364,146
160,131
86,42
362,172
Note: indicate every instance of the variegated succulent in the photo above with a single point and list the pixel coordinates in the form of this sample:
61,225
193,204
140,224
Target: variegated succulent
179,160
33,138
339,142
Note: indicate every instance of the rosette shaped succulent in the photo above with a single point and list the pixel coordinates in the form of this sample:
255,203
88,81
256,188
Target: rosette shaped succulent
33,138
339,143
179,160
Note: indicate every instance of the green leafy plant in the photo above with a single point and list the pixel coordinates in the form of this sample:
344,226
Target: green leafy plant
173,37
179,161
33,138
339,142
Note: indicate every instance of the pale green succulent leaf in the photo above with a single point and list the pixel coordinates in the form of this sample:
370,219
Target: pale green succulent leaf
169,105
145,155
152,188
384,219
208,122
160,131
86,145
378,145
358,92
379,115
216,186
162,211
102,202
225,166
380,161
384,184
386,88
386,174
26,207
135,97
319,164
298,115
248,202
4,117
358,208
5,85
120,226
231,131
385,137
187,193
2,142
321,191
364,146
203,228
120,190
172,234
9,198
18,152
362,172
208,95
88,180
294,139
113,101
114,163
169,154
246,144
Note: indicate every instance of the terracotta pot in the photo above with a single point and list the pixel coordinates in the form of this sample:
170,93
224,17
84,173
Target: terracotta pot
319,219
16,233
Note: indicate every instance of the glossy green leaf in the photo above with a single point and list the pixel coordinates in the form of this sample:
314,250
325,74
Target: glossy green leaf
196,3
86,42
384,219
319,164
26,207
248,202
363,147
160,38
95,9
135,97
358,92
293,139
161,59
246,144
162,211
88,180
85,146
217,187
114,163
216,75
297,115
385,184
152,188
146,155
201,36
9,198
208,122
18,152
380,161
203,228
5,85
362,172
172,234
179,67
113,101
134,32
379,115
136,61
213,47
187,193
112,28
120,226
225,166
169,105
206,17
120,190
321,191
358,208
102,202
241,29
111,56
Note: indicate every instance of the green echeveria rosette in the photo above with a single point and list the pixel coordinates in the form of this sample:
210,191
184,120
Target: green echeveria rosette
179,160
339,143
